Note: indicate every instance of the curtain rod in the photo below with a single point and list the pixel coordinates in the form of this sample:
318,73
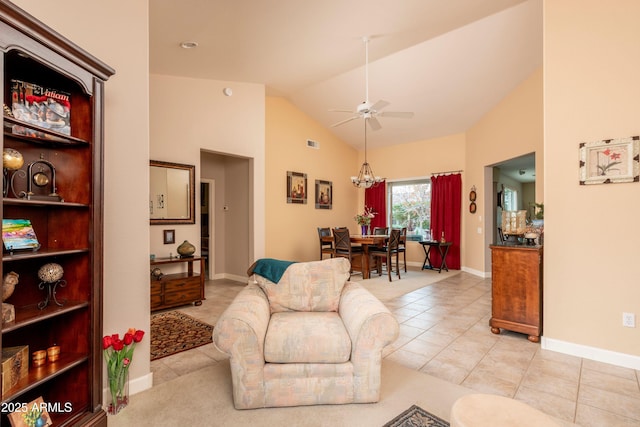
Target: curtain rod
442,173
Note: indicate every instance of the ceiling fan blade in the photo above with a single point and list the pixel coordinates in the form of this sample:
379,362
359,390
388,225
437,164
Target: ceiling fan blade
379,105
345,121
374,123
341,111
402,114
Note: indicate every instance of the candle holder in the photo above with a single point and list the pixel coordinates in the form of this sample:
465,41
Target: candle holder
53,353
39,358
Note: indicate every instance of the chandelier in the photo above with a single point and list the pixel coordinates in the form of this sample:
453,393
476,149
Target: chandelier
366,177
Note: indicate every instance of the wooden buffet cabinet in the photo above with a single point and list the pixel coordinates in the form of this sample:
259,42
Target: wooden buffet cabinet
176,289
516,289
59,189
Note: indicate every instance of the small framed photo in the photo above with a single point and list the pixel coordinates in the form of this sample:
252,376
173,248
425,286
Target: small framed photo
324,194
169,236
296,187
610,161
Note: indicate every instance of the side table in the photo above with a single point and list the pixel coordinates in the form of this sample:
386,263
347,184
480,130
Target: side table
175,289
443,249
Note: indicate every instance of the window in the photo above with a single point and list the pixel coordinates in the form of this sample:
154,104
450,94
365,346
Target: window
510,199
410,203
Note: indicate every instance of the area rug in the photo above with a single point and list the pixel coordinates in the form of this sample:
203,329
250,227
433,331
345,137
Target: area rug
410,281
415,416
173,332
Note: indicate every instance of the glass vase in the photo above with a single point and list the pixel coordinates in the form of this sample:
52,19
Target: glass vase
118,391
363,230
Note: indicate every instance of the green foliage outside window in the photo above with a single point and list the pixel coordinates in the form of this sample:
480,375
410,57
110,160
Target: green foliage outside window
411,208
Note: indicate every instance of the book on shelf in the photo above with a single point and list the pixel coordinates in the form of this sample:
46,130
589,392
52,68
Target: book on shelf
18,234
41,106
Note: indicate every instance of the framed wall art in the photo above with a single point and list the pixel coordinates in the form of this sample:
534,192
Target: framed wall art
324,194
610,161
169,236
296,187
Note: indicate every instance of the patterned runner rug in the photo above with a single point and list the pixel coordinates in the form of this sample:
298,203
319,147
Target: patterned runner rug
415,416
173,332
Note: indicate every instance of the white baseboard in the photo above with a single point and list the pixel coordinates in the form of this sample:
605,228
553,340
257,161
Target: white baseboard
229,276
136,385
483,274
591,353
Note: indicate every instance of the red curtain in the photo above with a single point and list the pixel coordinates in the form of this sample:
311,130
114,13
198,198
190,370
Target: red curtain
446,210
375,198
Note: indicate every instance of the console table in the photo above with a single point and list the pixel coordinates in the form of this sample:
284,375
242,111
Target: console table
176,289
443,249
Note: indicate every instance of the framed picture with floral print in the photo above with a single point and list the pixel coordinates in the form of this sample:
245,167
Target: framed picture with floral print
296,187
610,161
324,194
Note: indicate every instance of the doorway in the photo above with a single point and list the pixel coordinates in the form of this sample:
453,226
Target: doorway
517,174
207,230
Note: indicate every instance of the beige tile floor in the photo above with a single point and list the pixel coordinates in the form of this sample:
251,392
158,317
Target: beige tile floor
444,332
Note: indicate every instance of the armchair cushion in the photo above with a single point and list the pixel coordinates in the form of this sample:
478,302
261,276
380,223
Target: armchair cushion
313,337
307,286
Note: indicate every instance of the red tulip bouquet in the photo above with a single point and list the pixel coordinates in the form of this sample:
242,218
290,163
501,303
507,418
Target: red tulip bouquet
119,354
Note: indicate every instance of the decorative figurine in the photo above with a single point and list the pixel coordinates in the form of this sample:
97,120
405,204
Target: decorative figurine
8,286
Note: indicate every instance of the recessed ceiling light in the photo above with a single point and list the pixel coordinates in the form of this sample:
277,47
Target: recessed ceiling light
188,45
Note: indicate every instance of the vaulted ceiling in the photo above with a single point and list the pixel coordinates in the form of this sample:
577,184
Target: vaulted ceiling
447,61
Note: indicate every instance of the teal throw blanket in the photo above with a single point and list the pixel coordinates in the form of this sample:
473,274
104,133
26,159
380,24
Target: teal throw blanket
270,268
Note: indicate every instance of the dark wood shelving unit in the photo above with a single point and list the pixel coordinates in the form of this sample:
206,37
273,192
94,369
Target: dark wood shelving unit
67,218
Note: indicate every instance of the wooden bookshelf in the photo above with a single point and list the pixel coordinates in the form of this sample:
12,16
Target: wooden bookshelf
67,218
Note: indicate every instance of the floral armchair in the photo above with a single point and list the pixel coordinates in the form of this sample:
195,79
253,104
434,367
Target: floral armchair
311,338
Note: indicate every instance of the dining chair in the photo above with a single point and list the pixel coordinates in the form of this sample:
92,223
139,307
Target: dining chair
387,253
380,231
326,246
402,246
342,247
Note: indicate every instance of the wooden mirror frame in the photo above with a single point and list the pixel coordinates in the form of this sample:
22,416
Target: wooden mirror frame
192,193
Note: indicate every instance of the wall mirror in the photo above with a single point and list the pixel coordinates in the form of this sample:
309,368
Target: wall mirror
171,193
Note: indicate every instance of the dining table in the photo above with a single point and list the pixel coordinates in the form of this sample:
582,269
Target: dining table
366,241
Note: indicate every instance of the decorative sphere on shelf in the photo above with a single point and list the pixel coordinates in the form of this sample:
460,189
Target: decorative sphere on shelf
12,159
157,273
50,273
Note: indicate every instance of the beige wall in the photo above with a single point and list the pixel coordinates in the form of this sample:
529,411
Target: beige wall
591,92
513,128
126,176
292,228
185,123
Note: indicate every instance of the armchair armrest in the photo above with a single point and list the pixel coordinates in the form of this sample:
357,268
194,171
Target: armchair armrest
371,327
241,328
369,323
240,333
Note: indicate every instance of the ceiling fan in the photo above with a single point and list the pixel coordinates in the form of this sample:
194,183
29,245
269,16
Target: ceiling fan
366,110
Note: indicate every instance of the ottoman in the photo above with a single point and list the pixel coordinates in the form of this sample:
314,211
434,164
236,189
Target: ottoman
488,410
